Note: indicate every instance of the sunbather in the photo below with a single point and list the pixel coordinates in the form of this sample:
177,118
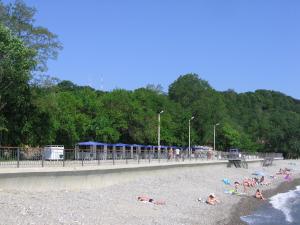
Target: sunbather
151,200
280,172
284,171
288,177
212,200
248,183
259,195
262,180
236,186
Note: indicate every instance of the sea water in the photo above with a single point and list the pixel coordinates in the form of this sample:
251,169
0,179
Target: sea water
284,209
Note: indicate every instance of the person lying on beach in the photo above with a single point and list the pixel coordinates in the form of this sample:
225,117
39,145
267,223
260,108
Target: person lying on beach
259,195
247,183
262,180
252,182
280,172
288,177
151,200
212,200
284,171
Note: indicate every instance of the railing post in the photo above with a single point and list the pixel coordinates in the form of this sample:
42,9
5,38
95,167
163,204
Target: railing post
158,154
64,154
113,155
131,152
98,155
149,155
42,153
81,157
18,157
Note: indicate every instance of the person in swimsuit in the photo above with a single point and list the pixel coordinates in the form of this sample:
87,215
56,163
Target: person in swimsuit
212,200
151,200
262,180
236,186
259,195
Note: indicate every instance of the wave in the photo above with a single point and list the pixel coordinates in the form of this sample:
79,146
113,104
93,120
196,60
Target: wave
285,203
259,218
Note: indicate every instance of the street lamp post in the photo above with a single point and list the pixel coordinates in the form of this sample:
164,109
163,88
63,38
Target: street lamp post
190,136
215,135
158,133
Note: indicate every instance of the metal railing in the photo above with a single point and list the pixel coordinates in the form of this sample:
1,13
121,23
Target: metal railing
37,157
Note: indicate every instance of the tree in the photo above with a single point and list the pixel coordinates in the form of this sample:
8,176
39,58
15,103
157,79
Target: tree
16,63
187,89
19,18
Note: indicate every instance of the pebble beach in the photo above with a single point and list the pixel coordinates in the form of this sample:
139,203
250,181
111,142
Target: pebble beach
180,188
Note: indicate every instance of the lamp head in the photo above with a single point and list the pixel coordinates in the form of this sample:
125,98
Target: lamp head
161,111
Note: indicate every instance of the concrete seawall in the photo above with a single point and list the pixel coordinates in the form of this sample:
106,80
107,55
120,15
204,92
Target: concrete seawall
45,179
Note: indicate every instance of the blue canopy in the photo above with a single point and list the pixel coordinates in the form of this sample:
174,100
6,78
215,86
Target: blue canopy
121,145
148,146
90,143
136,145
175,147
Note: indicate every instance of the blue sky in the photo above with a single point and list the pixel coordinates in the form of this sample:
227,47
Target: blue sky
239,44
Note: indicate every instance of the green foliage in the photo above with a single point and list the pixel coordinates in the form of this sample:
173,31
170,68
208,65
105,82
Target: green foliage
187,89
16,62
65,113
19,18
51,112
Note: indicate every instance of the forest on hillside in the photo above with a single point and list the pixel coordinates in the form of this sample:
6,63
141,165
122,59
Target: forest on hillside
38,110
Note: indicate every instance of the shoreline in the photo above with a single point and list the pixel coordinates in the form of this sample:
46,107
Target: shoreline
248,205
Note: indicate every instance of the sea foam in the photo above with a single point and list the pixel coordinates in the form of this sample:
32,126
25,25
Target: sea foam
284,203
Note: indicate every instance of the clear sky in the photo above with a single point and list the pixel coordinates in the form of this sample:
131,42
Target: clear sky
239,44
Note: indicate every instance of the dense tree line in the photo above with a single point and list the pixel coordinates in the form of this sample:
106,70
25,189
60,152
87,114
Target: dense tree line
44,111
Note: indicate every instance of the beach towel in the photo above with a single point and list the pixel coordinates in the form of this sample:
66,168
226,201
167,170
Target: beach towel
288,178
258,173
226,181
229,191
233,192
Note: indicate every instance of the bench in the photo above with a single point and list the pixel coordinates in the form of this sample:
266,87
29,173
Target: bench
238,163
268,161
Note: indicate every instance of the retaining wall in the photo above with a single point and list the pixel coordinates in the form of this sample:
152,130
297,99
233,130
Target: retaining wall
76,179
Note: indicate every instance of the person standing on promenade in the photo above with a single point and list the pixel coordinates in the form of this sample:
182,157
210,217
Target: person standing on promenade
170,154
177,152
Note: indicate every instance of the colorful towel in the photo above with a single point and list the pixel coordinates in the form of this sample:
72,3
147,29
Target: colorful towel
226,181
258,173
